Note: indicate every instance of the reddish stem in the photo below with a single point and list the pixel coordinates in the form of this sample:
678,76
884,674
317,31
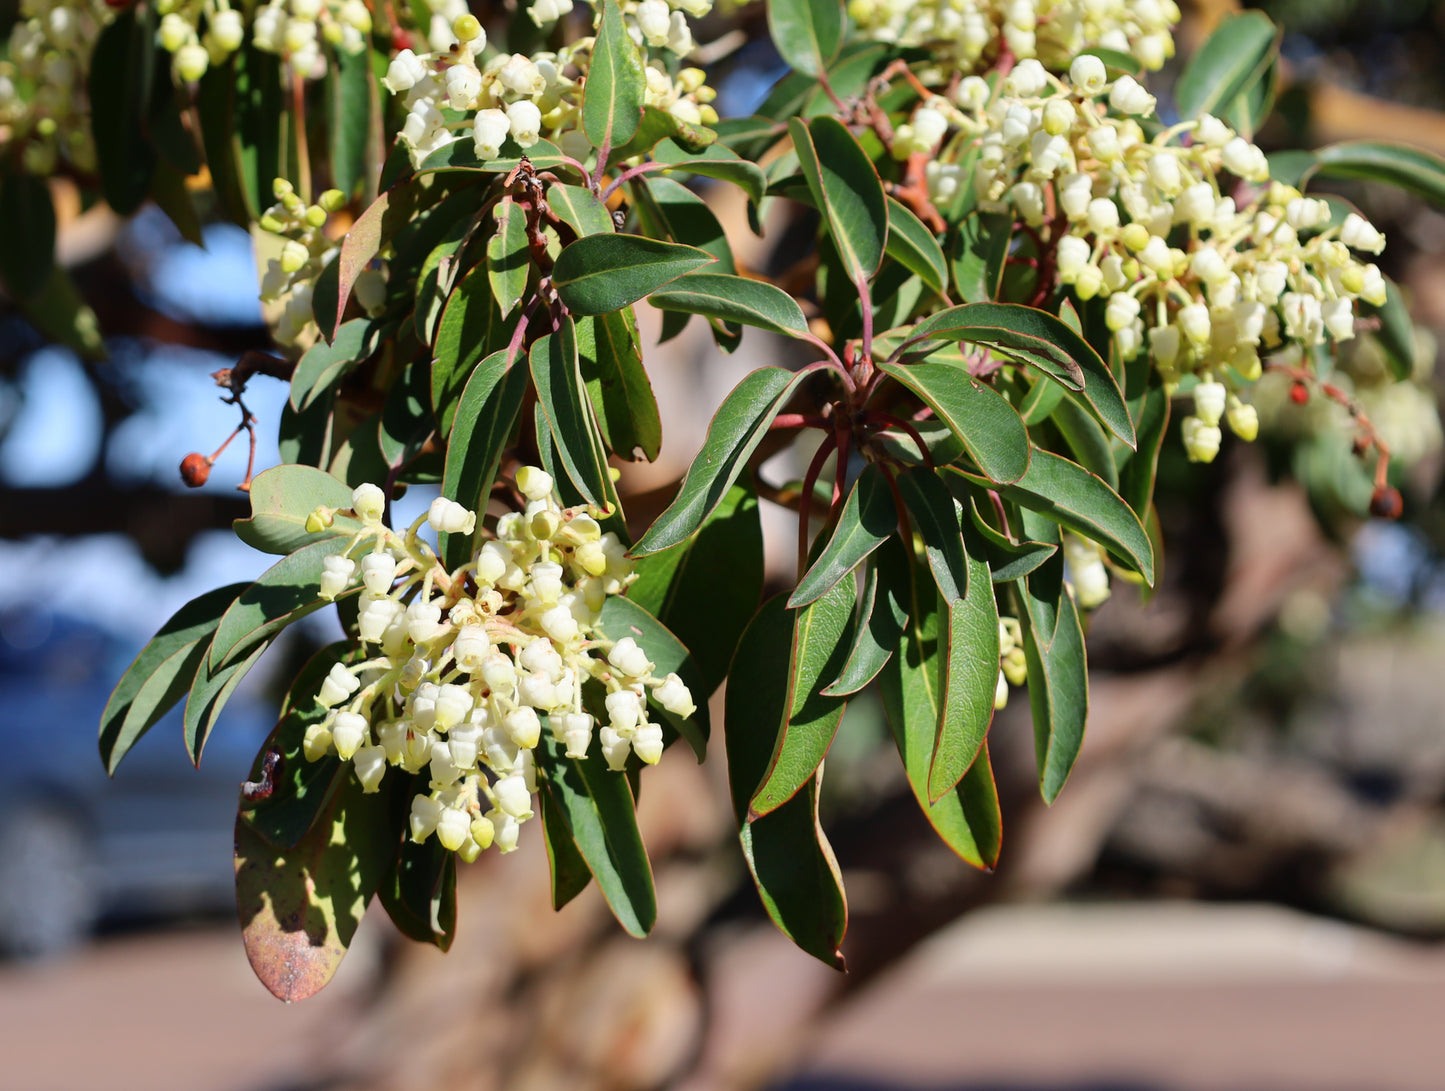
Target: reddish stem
805,502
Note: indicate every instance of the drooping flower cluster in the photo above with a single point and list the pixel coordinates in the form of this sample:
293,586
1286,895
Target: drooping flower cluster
295,29
472,666
1013,667
973,34
529,98
198,34
44,109
1202,260
291,276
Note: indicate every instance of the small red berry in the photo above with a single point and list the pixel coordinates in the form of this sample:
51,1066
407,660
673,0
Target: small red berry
1386,503
1299,393
195,469
401,39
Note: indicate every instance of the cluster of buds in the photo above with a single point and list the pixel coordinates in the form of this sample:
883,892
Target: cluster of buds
974,34
192,49
472,666
1260,266
295,29
1087,573
290,277
43,106
1013,667
519,97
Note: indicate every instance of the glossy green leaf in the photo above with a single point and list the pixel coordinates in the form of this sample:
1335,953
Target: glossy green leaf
602,273
471,327
161,674
419,892
300,907
613,96
1411,169
461,155
991,431
486,417
1088,442
1040,339
749,137
351,89
733,299
599,812
27,245
1150,407
610,354
938,519
508,261
1070,495
679,585
569,872
208,695
562,397
1234,57
915,247
1008,560
846,188
715,161
867,519
912,686
791,862
808,33
669,209
282,498
580,209
406,420
622,617
878,627
735,432
822,638
658,125
323,365
285,592
122,78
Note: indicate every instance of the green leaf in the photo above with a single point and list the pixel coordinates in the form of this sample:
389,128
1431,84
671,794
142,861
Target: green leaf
679,585
622,617
991,431
1008,560
285,592
1234,58
569,872
808,33
656,126
969,645
938,519
612,99
563,398
877,628
602,273
822,637
915,247
461,155
64,317
867,519
912,685
259,114
733,299
300,907
161,674
1087,441
1151,414
471,327
208,695
1396,333
419,892
600,814
1043,340
737,428
611,360
749,137
844,184
281,500
486,417
715,161
1411,169
1058,674
27,245
669,209
792,864
1070,495
508,261
580,209
350,88
361,244
122,78
324,364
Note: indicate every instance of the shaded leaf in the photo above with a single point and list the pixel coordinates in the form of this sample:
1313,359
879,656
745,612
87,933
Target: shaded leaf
613,96
808,33
323,365
568,870
419,892
847,191
1233,58
877,628
991,431
733,299
715,161
622,398
914,246
563,398
602,273
122,78
867,519
27,245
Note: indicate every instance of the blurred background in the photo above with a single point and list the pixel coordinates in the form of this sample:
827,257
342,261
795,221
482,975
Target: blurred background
1242,888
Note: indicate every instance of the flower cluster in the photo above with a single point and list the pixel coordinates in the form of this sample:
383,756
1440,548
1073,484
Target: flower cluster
192,49
43,105
290,277
973,34
295,29
1199,256
1013,667
472,666
529,98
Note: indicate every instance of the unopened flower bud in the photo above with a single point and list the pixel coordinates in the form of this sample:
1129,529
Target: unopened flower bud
523,726
647,743
1243,420
674,696
628,658
336,573
1201,440
483,832
453,827
338,685
425,812
348,732
512,797
369,503
615,748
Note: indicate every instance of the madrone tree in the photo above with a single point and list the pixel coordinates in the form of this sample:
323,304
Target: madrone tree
1020,262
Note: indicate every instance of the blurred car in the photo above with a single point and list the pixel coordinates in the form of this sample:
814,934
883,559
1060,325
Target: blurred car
77,846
